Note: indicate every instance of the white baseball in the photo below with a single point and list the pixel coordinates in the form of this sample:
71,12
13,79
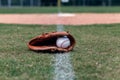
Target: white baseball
63,42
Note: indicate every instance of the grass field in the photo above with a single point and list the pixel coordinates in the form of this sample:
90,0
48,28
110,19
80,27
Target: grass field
95,56
97,9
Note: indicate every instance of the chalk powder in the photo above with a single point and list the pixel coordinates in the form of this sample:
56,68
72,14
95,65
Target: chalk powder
62,65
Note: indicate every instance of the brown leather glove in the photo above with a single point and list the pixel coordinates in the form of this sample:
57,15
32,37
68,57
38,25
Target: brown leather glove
47,42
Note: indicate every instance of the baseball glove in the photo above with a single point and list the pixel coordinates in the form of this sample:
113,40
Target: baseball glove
47,42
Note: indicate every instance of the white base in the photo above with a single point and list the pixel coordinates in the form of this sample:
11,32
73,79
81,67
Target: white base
66,15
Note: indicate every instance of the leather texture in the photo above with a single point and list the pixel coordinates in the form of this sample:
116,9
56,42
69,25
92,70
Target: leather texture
47,42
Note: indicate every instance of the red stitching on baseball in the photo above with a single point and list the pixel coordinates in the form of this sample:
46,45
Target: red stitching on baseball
63,43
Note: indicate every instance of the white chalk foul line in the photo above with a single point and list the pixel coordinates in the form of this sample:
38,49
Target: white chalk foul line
62,65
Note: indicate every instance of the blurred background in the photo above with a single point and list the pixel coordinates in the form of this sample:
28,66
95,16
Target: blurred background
9,3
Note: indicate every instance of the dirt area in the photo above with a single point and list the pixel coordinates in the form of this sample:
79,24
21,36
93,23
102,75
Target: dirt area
66,19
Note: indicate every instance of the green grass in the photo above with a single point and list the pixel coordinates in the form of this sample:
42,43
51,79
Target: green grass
95,56
16,60
97,9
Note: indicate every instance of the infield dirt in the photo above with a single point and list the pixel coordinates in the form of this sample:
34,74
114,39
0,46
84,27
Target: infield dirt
51,19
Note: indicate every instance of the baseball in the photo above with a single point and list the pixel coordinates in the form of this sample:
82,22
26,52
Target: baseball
63,42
